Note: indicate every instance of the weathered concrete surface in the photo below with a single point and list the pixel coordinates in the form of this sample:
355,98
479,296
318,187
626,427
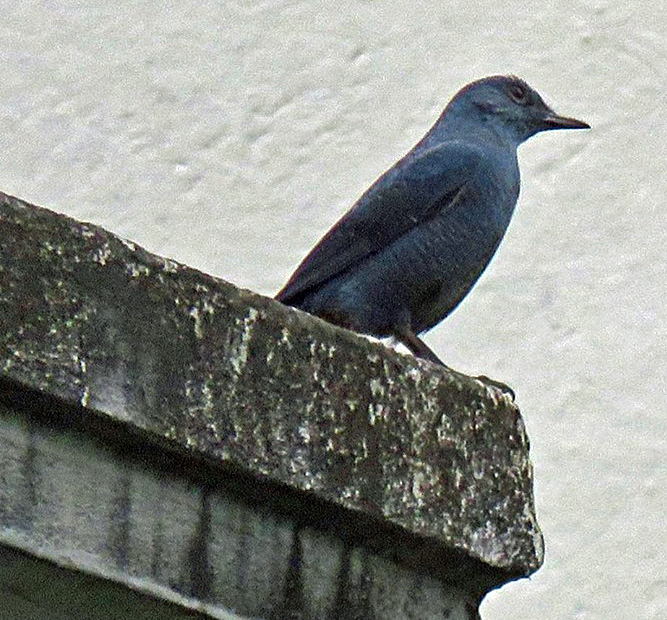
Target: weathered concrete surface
79,500
433,465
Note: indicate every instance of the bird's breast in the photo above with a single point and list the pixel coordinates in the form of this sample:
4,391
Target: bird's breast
444,258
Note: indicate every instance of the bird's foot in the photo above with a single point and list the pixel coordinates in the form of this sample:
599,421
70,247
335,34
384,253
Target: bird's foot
503,387
420,349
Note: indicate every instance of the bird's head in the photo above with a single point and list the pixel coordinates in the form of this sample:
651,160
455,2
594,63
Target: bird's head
508,106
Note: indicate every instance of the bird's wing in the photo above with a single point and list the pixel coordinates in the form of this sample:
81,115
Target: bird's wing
415,190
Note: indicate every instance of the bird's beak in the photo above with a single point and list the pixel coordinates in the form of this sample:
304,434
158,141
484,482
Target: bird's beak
553,121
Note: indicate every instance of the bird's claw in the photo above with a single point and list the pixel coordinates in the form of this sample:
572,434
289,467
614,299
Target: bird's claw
503,387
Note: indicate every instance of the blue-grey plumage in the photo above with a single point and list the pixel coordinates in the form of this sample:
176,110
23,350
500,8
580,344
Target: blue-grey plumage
411,248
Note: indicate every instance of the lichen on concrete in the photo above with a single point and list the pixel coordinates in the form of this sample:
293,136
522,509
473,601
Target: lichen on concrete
240,379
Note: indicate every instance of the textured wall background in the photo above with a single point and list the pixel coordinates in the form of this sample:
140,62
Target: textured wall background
231,135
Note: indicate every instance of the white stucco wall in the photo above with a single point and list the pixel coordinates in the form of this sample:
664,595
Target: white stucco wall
230,136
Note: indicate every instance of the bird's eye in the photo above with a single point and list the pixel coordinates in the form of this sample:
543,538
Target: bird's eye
518,94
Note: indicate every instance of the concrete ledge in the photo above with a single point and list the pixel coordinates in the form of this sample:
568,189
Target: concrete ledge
180,435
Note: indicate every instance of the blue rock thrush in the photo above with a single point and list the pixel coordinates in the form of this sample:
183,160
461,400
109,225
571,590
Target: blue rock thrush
411,248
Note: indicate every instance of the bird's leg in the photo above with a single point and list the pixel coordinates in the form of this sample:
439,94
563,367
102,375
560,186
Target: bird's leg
419,349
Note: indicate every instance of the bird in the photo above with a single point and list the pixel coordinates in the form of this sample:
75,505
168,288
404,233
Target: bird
414,244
